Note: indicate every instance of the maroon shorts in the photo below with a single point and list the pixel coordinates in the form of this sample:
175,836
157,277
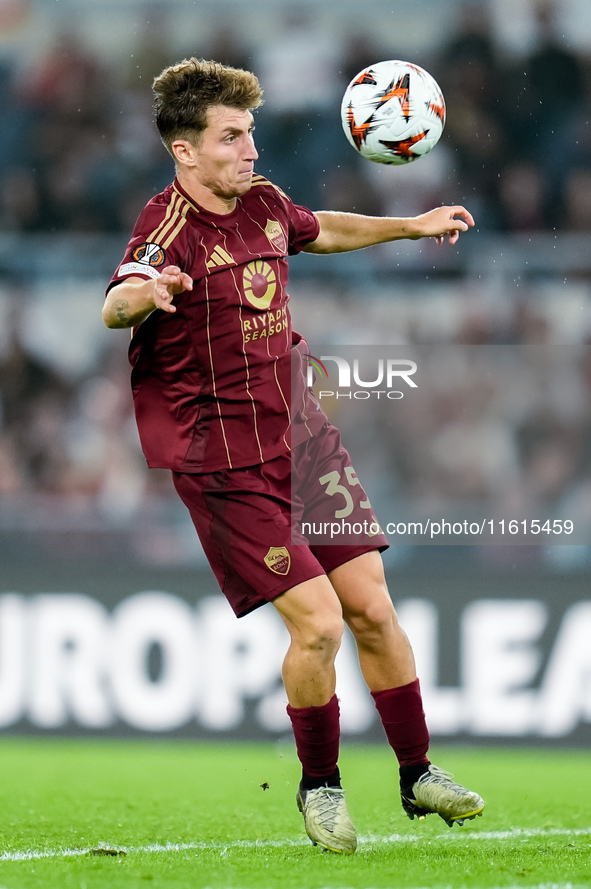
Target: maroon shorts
267,528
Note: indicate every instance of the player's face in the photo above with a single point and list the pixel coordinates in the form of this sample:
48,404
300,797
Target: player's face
224,158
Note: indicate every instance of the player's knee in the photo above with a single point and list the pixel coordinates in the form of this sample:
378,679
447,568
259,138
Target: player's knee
374,618
324,634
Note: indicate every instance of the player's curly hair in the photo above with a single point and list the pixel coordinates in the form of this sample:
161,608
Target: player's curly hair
184,92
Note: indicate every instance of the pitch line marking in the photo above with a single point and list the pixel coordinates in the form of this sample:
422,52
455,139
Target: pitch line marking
513,833
461,836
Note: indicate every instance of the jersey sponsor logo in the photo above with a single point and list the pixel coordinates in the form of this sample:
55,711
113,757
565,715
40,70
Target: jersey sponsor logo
220,257
278,560
276,235
259,326
260,283
130,268
149,254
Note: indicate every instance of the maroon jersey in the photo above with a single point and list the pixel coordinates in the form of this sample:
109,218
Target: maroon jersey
212,382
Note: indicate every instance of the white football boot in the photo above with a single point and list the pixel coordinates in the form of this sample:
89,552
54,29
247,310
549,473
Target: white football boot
327,820
436,792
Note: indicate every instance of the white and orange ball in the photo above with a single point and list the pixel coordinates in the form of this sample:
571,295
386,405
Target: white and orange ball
393,112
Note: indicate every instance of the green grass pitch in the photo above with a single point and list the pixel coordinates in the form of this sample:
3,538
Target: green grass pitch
180,815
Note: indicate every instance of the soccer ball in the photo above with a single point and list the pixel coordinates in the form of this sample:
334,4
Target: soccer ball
393,112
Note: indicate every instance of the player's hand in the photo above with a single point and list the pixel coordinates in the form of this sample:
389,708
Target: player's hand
445,222
167,285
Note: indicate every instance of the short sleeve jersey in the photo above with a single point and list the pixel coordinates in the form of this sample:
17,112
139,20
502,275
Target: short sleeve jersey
214,383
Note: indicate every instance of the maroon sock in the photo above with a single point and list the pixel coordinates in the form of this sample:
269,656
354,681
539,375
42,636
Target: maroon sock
317,733
401,712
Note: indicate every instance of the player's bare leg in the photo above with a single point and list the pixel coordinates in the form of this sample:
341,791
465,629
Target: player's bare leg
385,654
313,615
388,666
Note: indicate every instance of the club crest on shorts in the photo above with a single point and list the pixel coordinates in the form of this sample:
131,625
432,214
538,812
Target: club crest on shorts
278,560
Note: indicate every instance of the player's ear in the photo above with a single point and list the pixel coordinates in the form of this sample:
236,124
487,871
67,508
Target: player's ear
184,152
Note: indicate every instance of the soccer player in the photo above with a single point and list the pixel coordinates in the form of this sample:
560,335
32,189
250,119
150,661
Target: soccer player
203,285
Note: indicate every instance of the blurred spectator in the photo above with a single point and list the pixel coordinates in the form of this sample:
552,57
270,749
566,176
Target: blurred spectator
528,325
542,95
551,88
469,75
299,66
347,189
20,201
470,59
34,402
67,81
360,51
523,198
225,46
576,214
150,50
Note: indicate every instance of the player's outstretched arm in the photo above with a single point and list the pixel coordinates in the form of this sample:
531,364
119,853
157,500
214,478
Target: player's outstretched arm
131,302
340,232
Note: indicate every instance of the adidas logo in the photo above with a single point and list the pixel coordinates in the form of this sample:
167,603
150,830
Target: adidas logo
220,257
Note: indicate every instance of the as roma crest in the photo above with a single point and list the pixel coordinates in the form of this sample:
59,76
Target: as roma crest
278,560
276,235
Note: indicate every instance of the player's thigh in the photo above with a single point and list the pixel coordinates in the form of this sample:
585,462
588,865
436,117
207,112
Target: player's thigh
360,585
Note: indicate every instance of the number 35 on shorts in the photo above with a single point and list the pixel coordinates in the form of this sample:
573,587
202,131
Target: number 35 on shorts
334,485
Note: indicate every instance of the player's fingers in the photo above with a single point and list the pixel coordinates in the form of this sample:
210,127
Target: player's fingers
465,215
173,276
168,278
164,291
163,286
458,225
170,275
163,300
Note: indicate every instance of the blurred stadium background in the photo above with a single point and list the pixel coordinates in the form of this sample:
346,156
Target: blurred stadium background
109,620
